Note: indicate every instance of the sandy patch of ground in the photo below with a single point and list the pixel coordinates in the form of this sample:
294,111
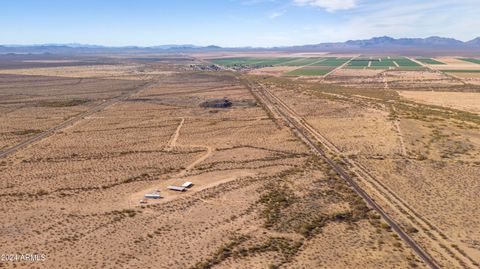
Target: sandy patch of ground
413,75
375,78
454,64
200,182
130,72
470,78
459,100
416,79
466,75
209,55
346,72
273,71
50,61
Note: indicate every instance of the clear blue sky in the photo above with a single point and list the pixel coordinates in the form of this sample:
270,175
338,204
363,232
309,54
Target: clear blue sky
232,22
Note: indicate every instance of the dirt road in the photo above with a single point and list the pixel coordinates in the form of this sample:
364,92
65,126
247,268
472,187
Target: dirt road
437,241
302,132
71,121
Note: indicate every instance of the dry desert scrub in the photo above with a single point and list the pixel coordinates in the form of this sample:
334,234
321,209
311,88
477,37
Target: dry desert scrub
299,205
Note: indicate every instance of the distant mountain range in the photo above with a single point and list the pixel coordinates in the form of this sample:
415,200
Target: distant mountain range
377,44
389,43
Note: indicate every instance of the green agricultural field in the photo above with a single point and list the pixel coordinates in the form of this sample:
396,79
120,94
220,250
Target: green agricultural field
308,72
246,61
235,61
429,61
383,63
359,63
404,62
379,67
460,71
471,60
302,61
274,61
355,67
332,62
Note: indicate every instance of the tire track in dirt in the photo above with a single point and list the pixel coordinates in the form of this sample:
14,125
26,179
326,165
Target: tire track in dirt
396,122
197,161
173,141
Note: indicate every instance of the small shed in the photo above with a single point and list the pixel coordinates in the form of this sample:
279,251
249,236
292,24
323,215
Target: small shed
187,184
176,188
152,196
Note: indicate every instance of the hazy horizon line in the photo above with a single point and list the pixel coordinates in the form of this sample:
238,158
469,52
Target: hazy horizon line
180,44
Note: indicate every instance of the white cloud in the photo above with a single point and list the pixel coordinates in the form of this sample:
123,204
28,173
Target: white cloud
329,5
276,14
398,18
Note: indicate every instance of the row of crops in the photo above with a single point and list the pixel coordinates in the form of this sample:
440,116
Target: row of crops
436,62
429,61
400,62
447,70
471,60
308,66
320,68
283,61
263,62
309,71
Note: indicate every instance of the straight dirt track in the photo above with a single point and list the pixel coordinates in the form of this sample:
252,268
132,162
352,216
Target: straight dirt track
268,100
71,121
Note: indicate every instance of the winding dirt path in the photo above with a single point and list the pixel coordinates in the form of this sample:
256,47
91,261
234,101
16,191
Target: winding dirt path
180,175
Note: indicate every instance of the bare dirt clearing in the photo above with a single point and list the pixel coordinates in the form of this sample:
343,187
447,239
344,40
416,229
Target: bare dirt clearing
455,64
127,72
458,100
273,71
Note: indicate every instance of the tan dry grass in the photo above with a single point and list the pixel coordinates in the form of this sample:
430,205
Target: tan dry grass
273,71
128,72
458,100
454,63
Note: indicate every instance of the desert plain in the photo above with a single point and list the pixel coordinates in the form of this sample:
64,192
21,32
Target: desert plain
267,141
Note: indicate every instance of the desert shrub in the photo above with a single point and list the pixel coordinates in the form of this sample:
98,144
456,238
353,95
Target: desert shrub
274,201
62,103
26,132
384,226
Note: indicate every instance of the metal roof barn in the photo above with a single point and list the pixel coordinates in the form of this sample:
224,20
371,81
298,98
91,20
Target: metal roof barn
152,196
176,188
187,184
